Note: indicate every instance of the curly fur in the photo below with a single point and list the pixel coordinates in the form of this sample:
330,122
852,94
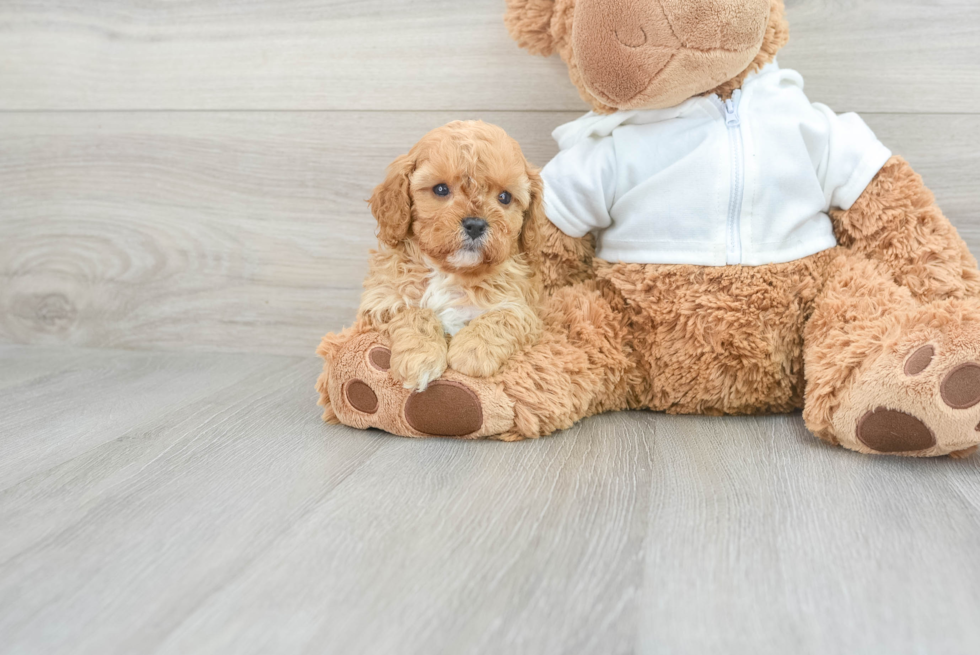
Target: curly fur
418,292
720,340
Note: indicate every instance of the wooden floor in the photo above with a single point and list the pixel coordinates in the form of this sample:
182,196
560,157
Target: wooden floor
185,503
182,216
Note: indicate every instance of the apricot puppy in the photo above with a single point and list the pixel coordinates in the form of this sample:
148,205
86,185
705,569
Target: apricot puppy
453,283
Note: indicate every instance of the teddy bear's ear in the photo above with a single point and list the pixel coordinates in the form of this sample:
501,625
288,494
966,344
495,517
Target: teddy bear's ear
391,202
529,23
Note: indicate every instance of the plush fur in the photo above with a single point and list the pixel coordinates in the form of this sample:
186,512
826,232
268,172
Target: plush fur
440,298
877,340
623,54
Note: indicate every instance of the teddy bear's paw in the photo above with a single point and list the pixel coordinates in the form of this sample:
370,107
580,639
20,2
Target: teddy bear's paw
364,394
920,399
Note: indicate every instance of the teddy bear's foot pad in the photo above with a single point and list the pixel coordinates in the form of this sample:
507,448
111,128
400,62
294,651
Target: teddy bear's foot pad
445,409
918,399
891,431
364,395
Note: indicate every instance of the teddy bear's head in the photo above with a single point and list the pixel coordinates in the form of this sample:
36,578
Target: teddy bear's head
651,54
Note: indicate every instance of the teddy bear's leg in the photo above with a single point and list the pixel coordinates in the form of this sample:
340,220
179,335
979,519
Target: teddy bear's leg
577,368
581,366
886,373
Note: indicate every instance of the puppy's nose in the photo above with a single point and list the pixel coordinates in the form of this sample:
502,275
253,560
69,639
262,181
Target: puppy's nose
474,227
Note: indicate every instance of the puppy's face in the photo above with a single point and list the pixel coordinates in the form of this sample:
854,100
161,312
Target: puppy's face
470,195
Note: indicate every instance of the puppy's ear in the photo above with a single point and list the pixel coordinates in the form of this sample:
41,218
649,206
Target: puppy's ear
529,23
531,240
391,202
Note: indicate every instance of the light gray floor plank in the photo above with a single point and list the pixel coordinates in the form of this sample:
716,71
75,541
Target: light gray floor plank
238,523
454,547
249,231
97,398
765,539
886,56
172,508
867,55
21,365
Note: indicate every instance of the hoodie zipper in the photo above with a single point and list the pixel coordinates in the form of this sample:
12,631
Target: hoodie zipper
737,148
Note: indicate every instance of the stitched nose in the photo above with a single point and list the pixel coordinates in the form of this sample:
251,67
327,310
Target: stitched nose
474,227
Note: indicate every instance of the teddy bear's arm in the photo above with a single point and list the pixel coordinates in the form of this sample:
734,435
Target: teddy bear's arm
896,221
565,260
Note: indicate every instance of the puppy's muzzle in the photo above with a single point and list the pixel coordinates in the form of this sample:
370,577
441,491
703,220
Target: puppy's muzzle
474,239
474,228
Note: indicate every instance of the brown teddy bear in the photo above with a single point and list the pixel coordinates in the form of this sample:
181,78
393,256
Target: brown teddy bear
717,244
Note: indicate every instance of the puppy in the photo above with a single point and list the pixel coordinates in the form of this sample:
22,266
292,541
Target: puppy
453,283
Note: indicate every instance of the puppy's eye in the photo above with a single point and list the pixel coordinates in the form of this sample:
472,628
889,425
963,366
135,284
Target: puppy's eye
504,198
441,189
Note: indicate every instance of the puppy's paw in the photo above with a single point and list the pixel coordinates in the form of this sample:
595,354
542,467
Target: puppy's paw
417,367
470,355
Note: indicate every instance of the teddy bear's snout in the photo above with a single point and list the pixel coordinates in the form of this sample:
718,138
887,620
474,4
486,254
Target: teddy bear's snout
633,53
732,25
621,46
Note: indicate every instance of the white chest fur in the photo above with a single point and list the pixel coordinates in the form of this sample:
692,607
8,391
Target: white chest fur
449,302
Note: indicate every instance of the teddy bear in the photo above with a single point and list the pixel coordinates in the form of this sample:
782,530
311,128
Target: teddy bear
717,244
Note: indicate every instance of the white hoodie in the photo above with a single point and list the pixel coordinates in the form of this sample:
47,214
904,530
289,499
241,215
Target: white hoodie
711,183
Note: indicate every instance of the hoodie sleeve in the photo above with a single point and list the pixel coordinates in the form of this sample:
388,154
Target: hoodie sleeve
580,186
853,157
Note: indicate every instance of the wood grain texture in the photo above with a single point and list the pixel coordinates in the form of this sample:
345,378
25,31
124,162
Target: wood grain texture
240,232
193,502
866,55
774,543
249,231
84,392
236,522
